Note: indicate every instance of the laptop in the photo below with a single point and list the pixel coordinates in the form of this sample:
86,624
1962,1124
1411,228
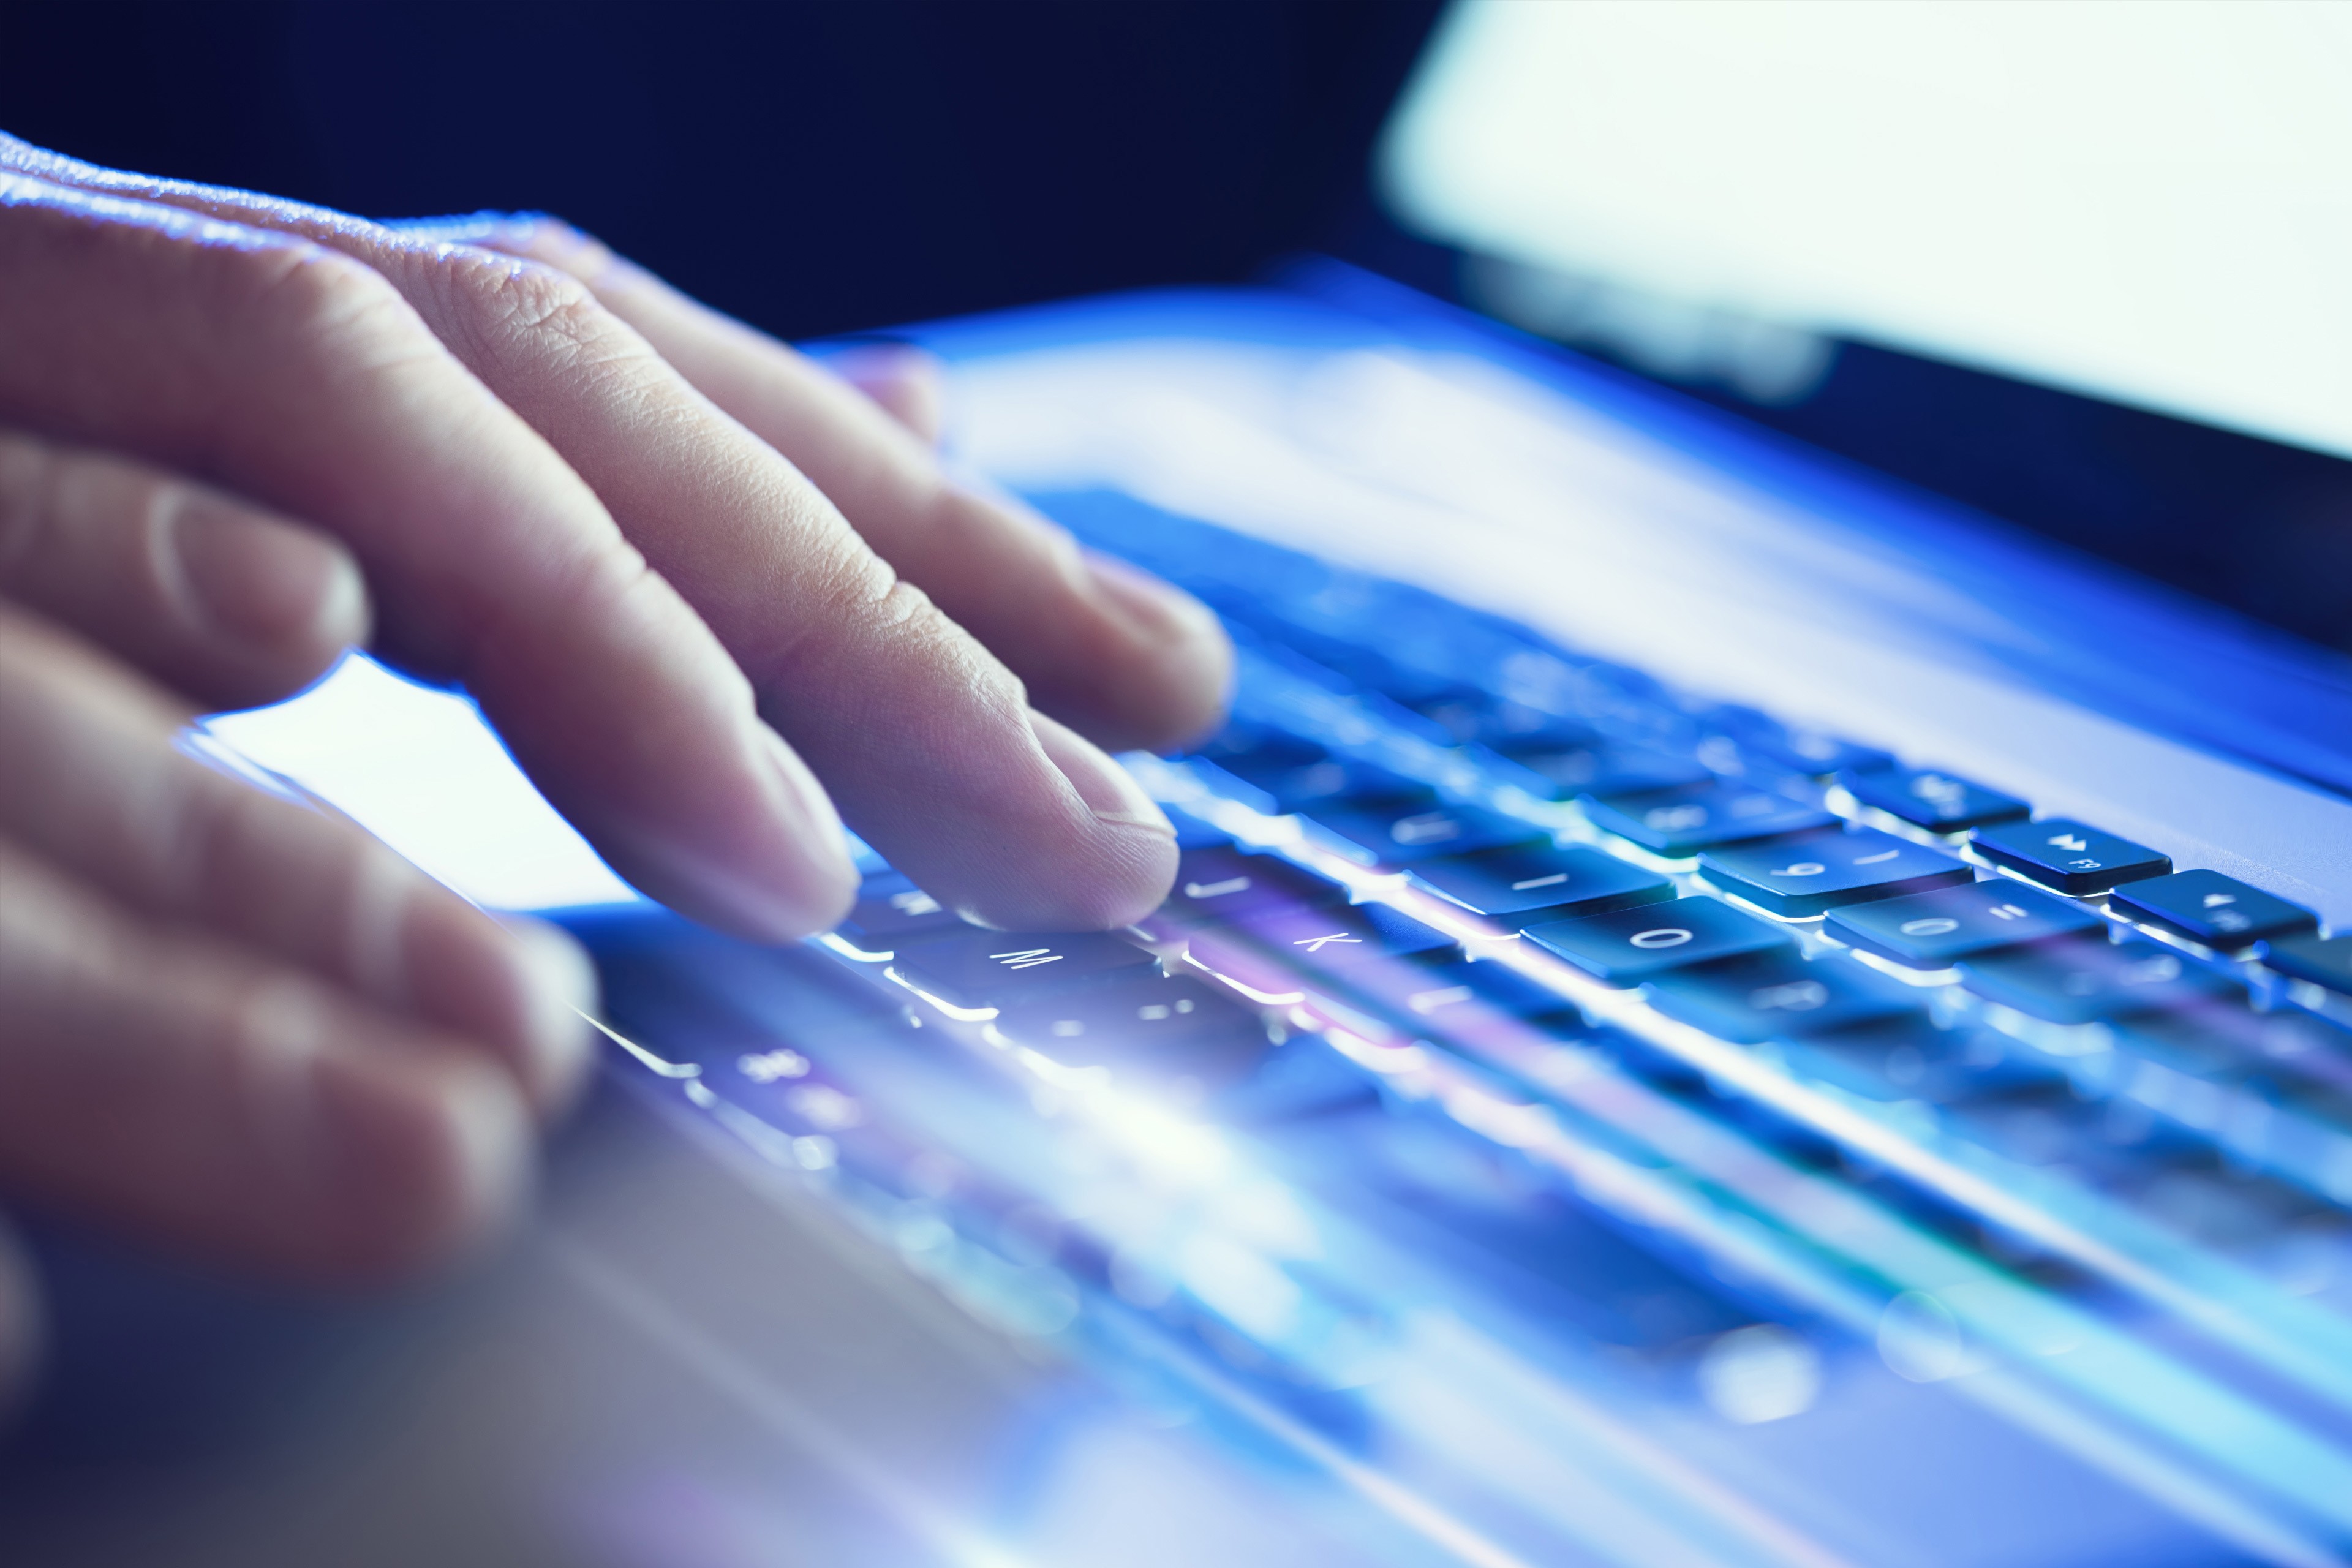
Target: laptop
1719,1007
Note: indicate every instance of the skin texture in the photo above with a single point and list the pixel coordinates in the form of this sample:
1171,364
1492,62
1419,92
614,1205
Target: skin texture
717,599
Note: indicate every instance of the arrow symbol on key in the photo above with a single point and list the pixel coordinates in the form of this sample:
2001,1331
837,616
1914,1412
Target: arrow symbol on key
2215,900
2073,841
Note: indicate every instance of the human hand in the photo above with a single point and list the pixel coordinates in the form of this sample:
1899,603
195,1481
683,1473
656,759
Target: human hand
233,430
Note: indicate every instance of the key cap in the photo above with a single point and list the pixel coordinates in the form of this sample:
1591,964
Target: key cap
1224,884
990,969
1445,993
1775,996
1275,951
2206,906
1908,1058
1628,946
1463,713
1810,751
2322,960
2085,980
1516,731
1420,830
1594,768
1155,1027
1816,872
1193,833
892,912
1676,822
1281,774
1935,931
1925,799
2059,852
1540,883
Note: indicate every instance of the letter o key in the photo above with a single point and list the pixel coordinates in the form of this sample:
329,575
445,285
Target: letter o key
1664,936
1931,925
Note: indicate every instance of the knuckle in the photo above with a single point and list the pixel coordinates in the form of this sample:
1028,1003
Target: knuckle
506,305
329,307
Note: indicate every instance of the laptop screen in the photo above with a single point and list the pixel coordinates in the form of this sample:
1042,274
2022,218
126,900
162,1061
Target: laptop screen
2146,204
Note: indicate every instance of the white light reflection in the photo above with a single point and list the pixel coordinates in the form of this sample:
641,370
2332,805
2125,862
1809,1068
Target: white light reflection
1244,1285
1759,1374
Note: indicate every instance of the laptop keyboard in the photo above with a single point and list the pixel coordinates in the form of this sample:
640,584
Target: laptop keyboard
1866,1032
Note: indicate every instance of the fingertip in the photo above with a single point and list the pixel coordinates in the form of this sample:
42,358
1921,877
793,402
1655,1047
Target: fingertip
280,602
778,871
427,1156
521,987
1173,677
1115,873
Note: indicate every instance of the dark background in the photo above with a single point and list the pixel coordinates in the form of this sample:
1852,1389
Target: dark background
826,167
814,168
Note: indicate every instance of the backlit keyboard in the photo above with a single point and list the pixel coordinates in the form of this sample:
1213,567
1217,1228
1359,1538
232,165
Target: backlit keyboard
1918,1070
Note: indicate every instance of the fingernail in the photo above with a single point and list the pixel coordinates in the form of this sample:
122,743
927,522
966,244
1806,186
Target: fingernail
1110,792
260,582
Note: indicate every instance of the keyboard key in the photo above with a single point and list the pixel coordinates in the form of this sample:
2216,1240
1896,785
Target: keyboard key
1809,875
2322,960
1224,884
1463,713
1154,1027
2059,852
1516,731
1420,830
1274,951
990,969
1800,751
1936,801
1603,769
1681,822
2085,980
1193,832
892,912
1629,946
1542,883
2206,906
1774,996
1283,773
1935,931
1445,991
